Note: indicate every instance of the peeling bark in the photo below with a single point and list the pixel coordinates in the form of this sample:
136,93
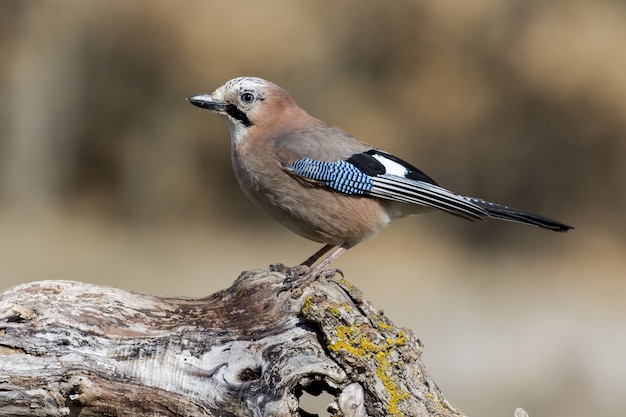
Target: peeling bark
70,349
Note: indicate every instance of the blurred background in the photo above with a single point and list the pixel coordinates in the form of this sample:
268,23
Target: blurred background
108,176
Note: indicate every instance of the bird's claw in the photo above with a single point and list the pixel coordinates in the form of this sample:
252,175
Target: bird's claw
298,271
296,277
301,275
290,271
329,273
282,268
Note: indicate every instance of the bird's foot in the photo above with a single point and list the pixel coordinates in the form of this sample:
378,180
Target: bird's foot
282,268
299,270
296,277
300,275
290,271
329,273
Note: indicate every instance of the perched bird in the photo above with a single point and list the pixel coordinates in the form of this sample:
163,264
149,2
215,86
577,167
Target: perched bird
324,184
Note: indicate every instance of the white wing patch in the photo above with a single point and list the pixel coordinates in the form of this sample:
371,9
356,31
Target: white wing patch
392,167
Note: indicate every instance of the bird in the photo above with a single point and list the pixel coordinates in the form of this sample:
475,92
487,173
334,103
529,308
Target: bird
324,184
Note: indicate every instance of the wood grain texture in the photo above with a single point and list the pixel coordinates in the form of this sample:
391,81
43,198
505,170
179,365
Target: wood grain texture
75,349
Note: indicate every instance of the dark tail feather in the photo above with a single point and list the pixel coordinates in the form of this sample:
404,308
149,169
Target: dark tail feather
499,211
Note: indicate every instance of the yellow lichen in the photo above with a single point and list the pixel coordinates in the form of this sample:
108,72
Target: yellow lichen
401,340
353,340
346,284
334,311
396,394
382,325
306,305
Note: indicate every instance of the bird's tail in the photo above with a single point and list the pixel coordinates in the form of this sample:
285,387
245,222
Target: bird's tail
499,211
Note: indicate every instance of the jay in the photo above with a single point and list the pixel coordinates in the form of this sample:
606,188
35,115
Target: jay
324,184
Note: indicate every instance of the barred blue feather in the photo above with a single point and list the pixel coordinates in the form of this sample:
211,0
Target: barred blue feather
341,176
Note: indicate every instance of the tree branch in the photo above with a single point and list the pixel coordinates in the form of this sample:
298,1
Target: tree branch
70,349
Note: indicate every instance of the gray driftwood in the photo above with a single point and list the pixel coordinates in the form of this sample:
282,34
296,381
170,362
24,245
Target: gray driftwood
74,349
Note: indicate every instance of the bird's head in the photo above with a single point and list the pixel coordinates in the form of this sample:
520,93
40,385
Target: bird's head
246,102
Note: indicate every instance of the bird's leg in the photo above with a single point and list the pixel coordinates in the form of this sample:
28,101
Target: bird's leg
315,272
313,258
294,281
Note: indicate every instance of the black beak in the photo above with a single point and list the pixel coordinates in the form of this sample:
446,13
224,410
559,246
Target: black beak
205,101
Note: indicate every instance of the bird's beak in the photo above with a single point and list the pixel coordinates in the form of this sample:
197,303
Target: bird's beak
206,101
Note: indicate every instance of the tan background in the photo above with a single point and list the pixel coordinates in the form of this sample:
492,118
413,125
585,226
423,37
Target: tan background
108,176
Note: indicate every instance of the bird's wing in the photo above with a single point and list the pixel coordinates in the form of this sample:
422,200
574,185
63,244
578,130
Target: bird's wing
378,174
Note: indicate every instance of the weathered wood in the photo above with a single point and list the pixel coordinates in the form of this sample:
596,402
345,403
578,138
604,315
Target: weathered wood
70,349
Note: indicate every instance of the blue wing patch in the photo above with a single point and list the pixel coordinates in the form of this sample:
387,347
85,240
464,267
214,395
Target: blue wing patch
340,176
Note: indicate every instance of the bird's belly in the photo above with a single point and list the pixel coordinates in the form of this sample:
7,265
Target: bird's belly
324,216
330,217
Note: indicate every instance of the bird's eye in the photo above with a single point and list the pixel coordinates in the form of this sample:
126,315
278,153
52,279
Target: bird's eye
247,97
